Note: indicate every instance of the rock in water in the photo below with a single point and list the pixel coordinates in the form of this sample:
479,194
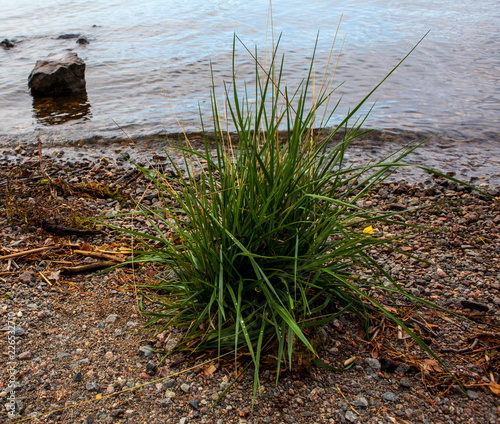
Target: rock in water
7,44
58,75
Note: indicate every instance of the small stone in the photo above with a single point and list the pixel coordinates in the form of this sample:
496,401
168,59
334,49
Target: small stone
193,403
402,368
441,274
27,277
472,394
165,403
361,402
373,363
78,377
389,396
82,41
168,383
25,355
7,44
62,355
117,413
183,420
92,387
111,318
185,387
146,351
406,383
169,394
351,416
151,367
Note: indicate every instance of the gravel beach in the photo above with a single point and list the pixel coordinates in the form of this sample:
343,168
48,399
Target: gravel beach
82,354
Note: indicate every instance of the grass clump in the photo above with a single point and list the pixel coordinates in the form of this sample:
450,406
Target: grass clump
267,243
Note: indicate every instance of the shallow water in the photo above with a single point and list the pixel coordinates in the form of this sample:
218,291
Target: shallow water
148,62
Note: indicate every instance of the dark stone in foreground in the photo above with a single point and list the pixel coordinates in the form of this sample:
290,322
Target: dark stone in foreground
58,75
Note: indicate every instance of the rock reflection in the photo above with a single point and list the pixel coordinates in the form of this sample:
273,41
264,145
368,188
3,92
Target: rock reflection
58,110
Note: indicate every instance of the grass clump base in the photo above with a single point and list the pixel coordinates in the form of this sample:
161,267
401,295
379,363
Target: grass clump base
267,243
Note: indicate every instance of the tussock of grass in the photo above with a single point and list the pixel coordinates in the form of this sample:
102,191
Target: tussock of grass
267,243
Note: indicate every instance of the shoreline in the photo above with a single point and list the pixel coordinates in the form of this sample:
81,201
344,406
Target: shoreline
474,161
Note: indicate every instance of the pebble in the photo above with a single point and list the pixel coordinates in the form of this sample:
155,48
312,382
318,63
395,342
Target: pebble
472,394
351,416
92,386
194,403
62,355
406,383
389,396
111,318
151,367
185,387
402,368
441,274
361,402
117,413
373,363
25,355
165,402
146,351
168,383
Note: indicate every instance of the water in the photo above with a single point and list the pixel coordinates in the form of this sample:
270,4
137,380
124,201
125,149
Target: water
148,62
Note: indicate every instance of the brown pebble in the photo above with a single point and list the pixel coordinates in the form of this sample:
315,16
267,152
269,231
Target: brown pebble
25,355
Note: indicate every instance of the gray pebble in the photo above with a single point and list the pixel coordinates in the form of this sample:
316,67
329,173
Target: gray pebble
389,396
146,351
472,394
92,386
361,402
62,355
402,368
185,387
111,318
168,383
165,403
193,403
351,416
373,363
406,383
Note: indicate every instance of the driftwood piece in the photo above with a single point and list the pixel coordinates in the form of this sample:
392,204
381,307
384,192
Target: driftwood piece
95,266
29,252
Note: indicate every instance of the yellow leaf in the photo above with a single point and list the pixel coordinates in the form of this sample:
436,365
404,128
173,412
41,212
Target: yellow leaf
98,396
494,387
368,230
